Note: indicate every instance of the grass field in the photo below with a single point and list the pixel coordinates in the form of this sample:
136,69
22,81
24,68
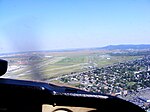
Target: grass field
60,63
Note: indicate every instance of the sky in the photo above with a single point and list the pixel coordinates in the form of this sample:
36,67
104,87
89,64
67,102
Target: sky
30,25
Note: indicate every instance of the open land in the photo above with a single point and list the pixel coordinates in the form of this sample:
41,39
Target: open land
123,73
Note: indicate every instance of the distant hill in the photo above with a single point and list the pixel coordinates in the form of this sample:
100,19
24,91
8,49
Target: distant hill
124,47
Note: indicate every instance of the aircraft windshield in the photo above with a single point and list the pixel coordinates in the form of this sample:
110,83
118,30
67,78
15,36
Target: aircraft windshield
94,45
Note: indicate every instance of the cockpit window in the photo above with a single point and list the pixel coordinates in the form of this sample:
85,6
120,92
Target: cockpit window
93,45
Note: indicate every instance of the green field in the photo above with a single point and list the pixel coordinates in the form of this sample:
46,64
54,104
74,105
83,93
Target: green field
61,63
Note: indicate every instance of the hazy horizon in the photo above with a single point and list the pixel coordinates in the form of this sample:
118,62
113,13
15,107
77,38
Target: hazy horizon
68,49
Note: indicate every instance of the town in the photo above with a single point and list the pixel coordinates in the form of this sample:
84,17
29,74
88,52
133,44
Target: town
121,80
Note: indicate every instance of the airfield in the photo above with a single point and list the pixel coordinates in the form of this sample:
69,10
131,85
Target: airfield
45,66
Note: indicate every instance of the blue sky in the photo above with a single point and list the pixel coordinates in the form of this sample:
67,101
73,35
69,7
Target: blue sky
27,25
